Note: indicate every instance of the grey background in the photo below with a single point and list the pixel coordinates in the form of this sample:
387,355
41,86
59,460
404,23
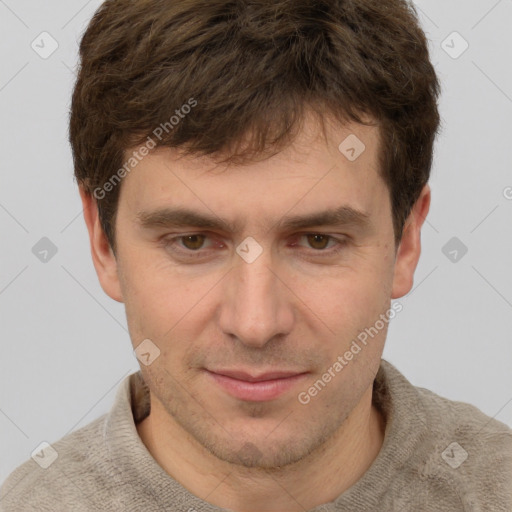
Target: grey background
64,343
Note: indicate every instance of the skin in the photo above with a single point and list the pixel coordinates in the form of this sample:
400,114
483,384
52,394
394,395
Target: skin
290,309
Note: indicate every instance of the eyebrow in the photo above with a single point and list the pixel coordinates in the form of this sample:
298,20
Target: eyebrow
183,217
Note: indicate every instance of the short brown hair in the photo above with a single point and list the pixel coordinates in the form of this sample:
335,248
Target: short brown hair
252,67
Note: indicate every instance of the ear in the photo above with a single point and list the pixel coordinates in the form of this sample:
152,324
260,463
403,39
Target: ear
102,255
409,250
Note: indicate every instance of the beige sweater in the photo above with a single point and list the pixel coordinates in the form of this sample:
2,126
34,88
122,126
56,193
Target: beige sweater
438,456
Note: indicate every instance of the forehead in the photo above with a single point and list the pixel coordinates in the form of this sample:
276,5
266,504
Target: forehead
338,166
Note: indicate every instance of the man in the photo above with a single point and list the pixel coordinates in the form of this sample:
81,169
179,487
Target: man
254,177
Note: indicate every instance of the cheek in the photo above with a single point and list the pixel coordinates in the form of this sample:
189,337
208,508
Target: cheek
168,308
349,297
345,308
151,304
151,287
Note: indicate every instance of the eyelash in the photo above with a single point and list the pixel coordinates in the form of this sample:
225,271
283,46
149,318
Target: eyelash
197,254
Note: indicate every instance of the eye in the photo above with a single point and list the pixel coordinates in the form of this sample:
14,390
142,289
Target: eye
188,246
195,245
318,242
192,242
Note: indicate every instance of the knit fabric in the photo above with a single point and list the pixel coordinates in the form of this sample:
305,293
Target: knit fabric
438,455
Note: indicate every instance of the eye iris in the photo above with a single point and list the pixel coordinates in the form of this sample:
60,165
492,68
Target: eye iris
312,239
194,238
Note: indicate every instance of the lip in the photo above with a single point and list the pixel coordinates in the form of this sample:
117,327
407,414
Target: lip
256,388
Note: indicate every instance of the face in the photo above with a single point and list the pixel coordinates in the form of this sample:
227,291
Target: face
280,309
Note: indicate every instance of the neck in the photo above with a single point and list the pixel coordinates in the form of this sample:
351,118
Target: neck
332,469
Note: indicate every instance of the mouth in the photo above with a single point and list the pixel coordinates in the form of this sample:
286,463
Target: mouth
256,388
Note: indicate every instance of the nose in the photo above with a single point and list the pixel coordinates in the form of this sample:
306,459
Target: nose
257,304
